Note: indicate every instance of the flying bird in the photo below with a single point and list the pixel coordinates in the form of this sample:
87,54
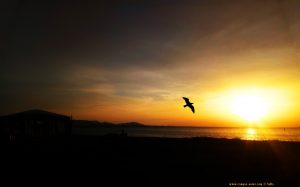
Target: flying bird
189,104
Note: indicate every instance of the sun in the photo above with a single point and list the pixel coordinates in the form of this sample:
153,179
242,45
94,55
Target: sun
250,107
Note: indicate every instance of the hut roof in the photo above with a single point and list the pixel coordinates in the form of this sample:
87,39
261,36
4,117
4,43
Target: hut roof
34,113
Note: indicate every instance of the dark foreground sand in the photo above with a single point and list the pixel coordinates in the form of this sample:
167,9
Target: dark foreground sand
127,161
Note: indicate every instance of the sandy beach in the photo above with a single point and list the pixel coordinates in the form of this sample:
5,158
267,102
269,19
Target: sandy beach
164,161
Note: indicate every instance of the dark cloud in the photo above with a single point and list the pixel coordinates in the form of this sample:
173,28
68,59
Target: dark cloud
136,33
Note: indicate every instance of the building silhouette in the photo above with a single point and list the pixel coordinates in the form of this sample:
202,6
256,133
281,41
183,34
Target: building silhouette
34,123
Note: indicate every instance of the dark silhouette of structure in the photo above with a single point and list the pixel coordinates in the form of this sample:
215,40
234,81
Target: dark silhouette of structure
189,104
34,123
123,133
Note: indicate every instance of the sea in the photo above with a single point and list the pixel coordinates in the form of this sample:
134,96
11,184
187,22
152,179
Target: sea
259,134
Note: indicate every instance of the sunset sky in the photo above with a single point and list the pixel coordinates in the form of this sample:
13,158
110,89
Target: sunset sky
123,61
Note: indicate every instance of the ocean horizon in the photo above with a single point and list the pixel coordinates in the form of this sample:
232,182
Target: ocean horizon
243,133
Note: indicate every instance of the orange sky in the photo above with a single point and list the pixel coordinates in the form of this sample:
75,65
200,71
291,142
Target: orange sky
134,61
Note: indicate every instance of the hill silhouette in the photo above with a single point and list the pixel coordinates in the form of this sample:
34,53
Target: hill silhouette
94,123
131,124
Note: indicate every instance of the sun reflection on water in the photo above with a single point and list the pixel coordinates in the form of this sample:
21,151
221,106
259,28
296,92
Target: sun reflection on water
250,134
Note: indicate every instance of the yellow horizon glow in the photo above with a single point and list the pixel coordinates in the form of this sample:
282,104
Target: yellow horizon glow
273,101
256,106
238,106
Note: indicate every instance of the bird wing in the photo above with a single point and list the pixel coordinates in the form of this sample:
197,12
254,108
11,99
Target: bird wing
186,99
192,108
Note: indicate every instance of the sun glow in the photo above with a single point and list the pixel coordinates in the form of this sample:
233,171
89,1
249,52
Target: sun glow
250,106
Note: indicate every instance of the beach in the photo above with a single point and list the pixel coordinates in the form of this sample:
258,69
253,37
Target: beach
153,161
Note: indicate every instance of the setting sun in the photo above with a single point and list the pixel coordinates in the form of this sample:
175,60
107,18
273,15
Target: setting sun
250,107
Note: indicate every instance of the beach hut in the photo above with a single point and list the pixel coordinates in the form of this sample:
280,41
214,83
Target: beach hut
35,123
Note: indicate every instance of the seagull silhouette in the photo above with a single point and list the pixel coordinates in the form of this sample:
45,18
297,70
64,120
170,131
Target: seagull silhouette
189,104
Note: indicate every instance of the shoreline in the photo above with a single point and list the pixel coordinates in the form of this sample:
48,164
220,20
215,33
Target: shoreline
186,161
